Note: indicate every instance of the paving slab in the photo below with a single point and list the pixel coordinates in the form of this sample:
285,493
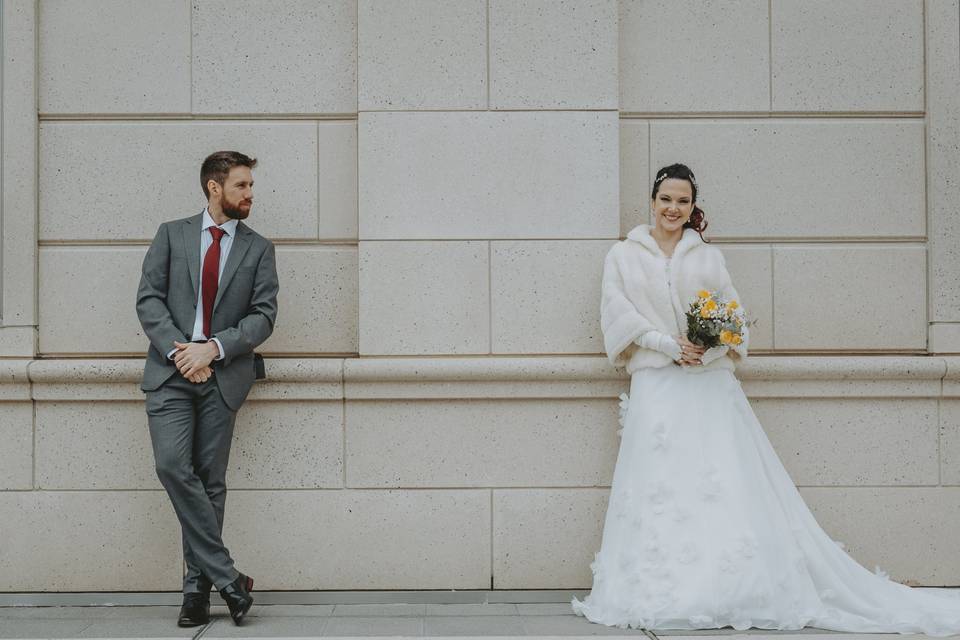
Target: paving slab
545,609
571,625
474,626
373,626
472,609
268,627
368,610
19,628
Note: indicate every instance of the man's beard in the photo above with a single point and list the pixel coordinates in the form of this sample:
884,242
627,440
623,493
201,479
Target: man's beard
233,211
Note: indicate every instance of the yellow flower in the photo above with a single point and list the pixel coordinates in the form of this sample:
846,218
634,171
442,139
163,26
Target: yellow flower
703,293
737,338
726,337
732,305
710,305
704,312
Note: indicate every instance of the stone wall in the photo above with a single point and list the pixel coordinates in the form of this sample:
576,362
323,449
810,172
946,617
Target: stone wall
442,180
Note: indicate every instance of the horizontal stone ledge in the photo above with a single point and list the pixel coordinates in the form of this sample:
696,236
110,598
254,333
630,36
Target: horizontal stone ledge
492,377
115,379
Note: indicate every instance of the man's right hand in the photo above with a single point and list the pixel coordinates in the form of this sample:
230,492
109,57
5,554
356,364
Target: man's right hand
201,376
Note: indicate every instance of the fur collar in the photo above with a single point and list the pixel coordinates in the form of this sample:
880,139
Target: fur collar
641,235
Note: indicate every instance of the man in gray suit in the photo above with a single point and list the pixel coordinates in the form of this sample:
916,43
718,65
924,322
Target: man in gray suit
207,299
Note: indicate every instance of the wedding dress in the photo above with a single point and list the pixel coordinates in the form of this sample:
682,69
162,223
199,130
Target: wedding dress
705,529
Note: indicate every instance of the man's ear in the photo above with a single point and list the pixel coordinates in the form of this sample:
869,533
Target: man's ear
213,187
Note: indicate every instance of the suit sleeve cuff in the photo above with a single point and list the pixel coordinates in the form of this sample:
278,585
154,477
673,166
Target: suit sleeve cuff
219,348
171,353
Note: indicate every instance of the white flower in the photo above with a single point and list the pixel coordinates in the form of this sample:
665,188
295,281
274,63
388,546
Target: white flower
660,436
624,405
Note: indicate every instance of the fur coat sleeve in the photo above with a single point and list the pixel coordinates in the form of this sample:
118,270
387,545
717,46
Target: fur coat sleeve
620,319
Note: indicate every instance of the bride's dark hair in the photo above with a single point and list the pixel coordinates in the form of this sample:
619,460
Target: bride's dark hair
697,221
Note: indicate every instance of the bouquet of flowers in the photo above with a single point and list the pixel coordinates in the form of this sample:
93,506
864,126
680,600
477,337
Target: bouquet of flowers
713,321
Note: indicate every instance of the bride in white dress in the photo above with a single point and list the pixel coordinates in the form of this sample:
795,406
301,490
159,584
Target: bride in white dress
705,528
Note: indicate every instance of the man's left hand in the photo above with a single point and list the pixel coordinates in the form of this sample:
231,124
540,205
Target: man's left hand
193,357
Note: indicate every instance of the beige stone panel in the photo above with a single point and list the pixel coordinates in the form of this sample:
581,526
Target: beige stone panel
481,443
857,55
18,342
88,298
875,441
944,337
94,445
950,441
80,315
318,301
422,54
751,269
396,539
817,178
89,541
106,445
419,298
669,56
943,161
634,174
248,57
546,538
850,297
16,455
489,175
114,56
287,445
14,379
909,532
337,173
545,296
553,55
18,173
94,176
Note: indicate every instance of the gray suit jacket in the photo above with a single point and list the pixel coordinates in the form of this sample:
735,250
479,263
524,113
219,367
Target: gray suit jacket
244,311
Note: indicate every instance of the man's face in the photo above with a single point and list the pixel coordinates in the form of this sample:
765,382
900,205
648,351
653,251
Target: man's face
237,198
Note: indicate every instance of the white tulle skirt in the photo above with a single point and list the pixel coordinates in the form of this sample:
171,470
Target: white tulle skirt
705,529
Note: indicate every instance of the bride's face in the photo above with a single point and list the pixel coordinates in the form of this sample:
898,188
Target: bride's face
673,204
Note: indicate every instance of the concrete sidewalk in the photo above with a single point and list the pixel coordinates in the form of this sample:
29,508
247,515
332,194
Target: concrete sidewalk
534,620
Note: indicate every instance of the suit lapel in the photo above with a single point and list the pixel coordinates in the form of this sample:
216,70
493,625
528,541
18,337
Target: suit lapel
191,245
240,245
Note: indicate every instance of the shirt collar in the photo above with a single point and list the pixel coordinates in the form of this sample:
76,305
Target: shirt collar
230,226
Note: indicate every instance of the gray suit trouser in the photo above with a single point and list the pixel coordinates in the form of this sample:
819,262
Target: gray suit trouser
191,429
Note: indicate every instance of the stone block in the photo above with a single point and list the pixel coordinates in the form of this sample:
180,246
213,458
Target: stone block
751,269
553,55
545,296
818,178
106,445
421,298
434,539
944,337
488,175
337,172
18,342
93,176
858,55
115,56
950,441
855,441
481,443
546,538
943,161
18,173
118,540
422,54
634,174
287,445
820,304
16,456
318,301
662,69
909,532
302,59
94,446
80,315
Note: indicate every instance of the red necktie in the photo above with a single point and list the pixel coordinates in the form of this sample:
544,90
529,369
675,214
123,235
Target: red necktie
211,277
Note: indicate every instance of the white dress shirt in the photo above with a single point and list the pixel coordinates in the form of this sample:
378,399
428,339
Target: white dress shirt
206,239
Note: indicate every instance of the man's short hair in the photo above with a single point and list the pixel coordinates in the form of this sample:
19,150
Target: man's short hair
218,164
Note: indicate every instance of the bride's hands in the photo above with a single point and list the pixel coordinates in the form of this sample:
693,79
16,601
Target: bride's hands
690,353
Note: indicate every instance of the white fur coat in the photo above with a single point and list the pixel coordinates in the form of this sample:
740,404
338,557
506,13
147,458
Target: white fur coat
637,296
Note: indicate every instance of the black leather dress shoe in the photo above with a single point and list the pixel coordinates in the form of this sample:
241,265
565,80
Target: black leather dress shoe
238,598
195,610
